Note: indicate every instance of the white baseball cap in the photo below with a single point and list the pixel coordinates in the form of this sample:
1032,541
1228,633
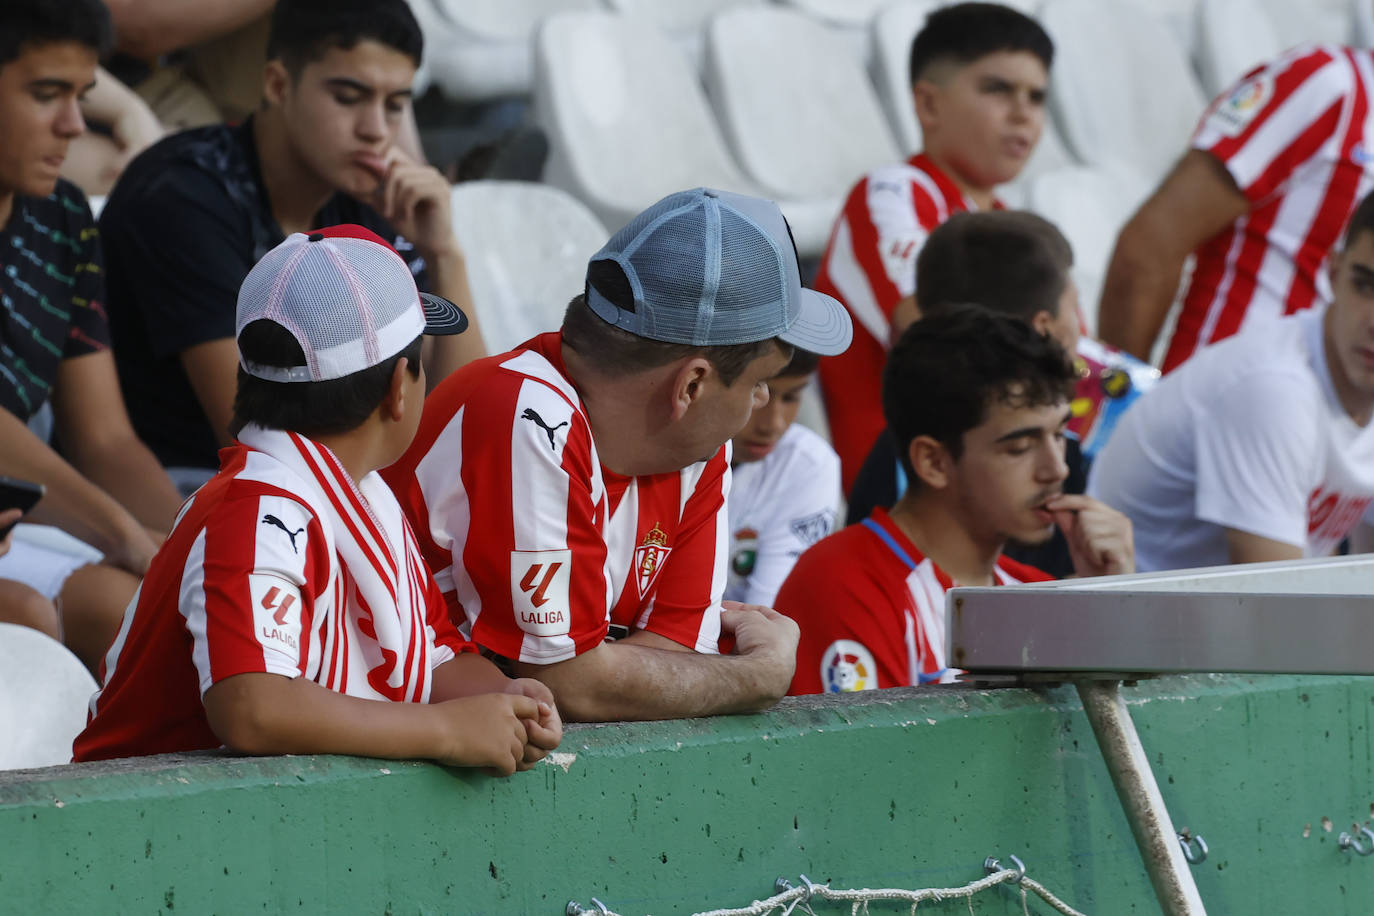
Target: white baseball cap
347,298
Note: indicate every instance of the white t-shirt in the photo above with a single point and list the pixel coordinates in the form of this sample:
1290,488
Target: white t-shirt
778,507
1248,434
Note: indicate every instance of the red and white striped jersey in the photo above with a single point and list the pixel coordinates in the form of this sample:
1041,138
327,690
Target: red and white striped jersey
870,265
255,578
871,608
1297,135
538,549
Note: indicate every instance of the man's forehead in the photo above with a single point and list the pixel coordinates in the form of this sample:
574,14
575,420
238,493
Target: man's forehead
1013,66
56,61
1011,413
370,63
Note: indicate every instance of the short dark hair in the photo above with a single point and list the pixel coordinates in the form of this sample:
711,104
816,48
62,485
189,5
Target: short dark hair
1010,261
964,32
947,369
618,352
1362,220
303,31
803,362
29,23
309,408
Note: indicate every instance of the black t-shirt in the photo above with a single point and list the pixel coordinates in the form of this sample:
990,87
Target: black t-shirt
881,480
51,292
186,222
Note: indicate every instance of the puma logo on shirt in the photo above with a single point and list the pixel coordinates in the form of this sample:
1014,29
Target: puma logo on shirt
276,522
537,420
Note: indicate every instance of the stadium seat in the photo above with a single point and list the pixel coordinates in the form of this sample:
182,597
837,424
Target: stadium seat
1362,14
1089,205
526,247
480,49
1233,36
1121,89
685,22
889,37
626,117
798,110
1298,21
44,693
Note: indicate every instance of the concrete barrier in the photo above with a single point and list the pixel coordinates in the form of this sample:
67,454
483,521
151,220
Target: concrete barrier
901,788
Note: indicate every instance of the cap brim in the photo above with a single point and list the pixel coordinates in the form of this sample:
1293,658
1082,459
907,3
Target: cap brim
823,326
441,316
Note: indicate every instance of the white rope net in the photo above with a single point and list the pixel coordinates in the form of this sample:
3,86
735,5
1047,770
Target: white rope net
800,898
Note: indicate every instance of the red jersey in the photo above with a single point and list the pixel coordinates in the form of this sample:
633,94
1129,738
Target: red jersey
539,549
871,608
870,265
1296,136
259,576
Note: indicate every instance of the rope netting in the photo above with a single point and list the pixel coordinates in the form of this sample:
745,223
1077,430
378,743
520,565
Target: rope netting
800,898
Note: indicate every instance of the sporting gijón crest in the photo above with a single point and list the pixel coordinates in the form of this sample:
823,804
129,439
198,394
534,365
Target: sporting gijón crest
650,556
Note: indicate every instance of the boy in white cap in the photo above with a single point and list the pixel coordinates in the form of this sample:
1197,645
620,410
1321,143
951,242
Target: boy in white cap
291,596
570,495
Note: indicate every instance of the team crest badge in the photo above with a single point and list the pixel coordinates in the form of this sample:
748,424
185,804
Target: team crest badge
848,666
811,529
746,551
650,556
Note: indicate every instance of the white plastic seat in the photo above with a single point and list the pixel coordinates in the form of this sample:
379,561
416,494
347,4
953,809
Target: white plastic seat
1121,88
1299,21
889,38
1362,23
625,115
526,247
685,22
480,49
798,110
1233,36
1089,205
44,694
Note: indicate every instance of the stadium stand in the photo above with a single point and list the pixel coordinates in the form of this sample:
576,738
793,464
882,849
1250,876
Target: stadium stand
1233,36
1089,204
1122,88
527,247
44,689
480,49
799,112
1314,20
889,42
685,22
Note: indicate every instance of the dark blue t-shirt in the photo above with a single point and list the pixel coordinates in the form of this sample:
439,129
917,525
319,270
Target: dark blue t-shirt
186,222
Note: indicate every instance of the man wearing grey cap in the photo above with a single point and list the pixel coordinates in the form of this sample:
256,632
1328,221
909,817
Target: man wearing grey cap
570,495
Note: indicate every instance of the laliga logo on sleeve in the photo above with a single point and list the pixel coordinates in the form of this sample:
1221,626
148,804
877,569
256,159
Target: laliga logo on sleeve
1239,108
650,556
847,666
539,592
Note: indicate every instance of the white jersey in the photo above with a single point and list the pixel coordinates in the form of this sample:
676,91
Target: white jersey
778,507
1249,435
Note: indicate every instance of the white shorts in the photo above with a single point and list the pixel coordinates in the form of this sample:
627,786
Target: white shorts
42,557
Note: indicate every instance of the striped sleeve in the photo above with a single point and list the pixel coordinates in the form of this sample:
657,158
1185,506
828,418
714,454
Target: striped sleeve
686,602
248,587
1279,117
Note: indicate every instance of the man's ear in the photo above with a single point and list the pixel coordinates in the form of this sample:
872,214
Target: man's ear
1043,322
688,383
275,82
931,461
393,406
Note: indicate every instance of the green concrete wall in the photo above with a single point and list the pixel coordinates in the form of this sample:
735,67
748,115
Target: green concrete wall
904,788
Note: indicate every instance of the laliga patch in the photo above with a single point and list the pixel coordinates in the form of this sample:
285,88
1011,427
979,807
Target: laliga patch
812,528
1246,101
650,556
847,666
276,611
539,589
